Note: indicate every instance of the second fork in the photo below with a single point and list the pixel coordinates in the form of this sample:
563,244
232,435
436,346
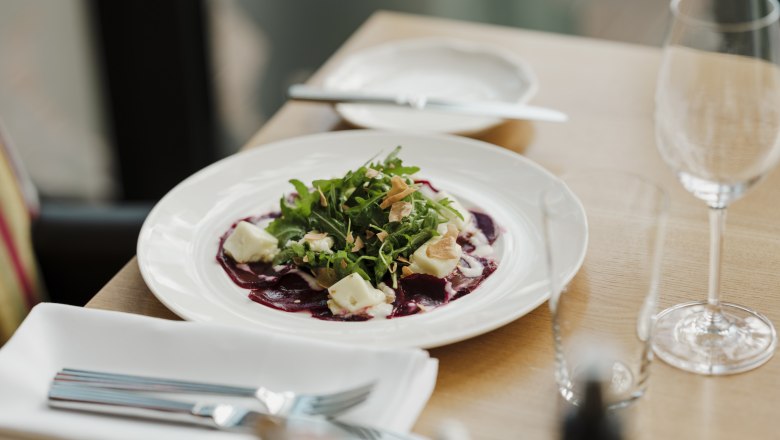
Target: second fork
276,403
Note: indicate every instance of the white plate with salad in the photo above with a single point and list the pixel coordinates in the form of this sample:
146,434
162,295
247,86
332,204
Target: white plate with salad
383,246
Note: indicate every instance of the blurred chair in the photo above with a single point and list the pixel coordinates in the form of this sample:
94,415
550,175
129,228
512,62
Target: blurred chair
20,287
73,248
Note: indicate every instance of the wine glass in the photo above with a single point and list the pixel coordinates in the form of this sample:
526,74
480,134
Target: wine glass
718,125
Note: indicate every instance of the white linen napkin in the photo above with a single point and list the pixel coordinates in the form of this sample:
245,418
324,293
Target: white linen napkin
55,336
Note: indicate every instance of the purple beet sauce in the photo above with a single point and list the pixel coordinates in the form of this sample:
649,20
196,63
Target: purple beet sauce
486,224
283,288
426,183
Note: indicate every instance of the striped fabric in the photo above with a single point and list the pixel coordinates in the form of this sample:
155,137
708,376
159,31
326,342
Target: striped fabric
19,283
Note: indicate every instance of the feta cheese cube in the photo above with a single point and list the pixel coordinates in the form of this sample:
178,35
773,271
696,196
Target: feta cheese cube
456,205
352,294
421,262
249,243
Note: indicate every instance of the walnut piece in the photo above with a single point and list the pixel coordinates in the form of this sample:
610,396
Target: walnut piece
358,244
397,192
323,200
399,210
314,235
446,248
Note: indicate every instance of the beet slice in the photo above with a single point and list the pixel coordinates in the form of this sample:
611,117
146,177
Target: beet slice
283,287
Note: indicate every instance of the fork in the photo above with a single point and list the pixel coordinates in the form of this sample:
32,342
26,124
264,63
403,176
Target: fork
276,403
83,397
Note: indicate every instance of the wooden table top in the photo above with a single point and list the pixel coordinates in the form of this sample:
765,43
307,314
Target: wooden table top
500,385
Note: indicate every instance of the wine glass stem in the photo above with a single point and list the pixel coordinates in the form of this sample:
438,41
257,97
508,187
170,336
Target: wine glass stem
717,228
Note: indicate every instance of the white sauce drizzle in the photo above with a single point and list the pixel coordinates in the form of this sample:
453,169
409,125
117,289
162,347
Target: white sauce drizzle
262,224
450,291
310,280
482,247
380,310
244,267
427,191
474,268
388,291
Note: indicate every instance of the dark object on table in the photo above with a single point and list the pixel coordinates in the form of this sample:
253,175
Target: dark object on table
80,246
591,420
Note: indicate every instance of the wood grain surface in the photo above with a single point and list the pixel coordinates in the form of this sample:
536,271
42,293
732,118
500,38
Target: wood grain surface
500,385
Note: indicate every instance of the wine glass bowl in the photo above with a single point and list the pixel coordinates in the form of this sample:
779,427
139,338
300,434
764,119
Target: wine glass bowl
718,127
718,121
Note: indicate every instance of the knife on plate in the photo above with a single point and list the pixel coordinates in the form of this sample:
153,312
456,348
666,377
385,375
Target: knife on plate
505,110
225,417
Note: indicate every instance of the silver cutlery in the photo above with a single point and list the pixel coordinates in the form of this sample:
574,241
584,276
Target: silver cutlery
498,109
276,403
80,397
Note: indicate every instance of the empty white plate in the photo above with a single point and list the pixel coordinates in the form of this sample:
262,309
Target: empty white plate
438,68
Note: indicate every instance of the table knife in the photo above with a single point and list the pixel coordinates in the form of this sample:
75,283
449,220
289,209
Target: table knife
505,110
217,416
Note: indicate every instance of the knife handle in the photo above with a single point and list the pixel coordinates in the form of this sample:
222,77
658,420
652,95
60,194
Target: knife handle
302,92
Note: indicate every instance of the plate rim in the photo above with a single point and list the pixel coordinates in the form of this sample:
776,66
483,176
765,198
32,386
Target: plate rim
261,148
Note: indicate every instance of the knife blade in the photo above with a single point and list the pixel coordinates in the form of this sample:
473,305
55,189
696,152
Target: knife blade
226,417
505,110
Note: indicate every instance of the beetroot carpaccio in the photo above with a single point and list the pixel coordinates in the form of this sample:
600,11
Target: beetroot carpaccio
376,243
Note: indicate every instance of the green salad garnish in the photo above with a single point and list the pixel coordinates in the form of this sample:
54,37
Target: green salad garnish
375,216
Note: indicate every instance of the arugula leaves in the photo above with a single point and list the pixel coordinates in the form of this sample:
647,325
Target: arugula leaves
348,210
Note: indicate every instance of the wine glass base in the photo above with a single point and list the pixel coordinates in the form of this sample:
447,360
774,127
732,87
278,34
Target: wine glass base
690,337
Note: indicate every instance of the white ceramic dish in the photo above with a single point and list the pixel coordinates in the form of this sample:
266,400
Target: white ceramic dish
441,68
178,243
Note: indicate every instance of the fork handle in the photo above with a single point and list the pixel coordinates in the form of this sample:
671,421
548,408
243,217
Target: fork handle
86,398
145,383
